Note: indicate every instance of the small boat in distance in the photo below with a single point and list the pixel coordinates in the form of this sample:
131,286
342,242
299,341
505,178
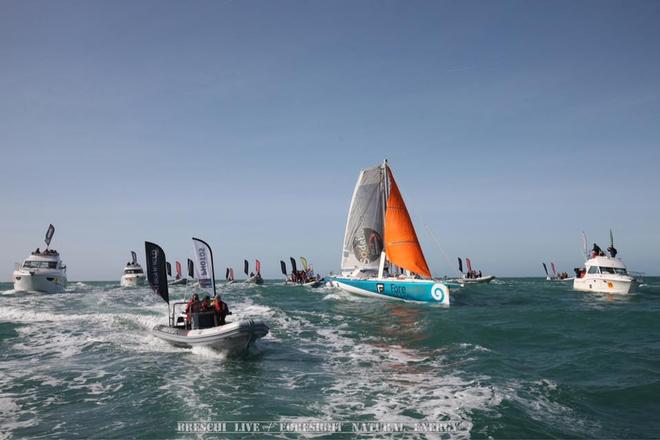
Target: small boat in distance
207,330
381,255
556,276
229,275
179,280
133,274
472,276
305,277
603,273
252,277
42,271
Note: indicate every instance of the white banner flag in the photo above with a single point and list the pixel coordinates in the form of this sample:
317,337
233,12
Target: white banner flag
204,266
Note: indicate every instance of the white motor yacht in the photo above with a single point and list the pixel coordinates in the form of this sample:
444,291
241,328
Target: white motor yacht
133,274
604,274
42,271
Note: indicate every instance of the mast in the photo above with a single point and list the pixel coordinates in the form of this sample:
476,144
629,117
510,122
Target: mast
383,257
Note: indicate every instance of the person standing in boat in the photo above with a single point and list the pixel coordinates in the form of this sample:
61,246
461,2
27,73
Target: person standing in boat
221,310
596,251
612,250
192,312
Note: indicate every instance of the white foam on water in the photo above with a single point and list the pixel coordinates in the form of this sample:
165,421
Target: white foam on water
209,353
387,383
66,335
473,347
10,412
9,292
534,398
340,295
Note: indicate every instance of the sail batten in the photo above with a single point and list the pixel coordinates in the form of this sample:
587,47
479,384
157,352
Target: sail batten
402,246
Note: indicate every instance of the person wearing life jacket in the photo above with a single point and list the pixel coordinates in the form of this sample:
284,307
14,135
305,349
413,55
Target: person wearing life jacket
221,310
206,304
192,312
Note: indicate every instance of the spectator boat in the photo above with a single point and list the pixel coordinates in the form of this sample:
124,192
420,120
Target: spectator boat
42,271
133,274
604,273
231,337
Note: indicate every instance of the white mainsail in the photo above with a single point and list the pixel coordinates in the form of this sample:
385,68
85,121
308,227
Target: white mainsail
363,238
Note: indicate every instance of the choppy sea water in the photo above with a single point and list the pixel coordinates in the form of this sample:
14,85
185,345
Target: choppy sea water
520,358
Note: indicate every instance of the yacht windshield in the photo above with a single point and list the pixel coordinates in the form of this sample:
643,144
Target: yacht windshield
614,270
40,265
131,271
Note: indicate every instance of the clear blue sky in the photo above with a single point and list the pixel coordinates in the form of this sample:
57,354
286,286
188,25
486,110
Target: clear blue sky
511,127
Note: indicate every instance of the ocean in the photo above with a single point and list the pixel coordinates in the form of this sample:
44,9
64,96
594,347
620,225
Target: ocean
519,358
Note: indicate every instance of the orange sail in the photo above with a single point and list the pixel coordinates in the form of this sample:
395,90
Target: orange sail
401,245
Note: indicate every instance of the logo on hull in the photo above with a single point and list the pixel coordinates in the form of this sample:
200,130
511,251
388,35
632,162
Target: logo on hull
438,292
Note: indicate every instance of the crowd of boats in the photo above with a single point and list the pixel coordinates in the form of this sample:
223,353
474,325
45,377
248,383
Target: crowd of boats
381,257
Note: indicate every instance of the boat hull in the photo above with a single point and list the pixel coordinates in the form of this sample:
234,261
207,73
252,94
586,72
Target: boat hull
132,280
480,280
254,280
179,282
234,337
619,285
46,283
423,291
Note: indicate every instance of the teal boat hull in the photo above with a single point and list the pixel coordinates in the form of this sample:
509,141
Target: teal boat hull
423,291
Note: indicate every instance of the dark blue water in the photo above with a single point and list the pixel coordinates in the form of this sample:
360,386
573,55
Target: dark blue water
521,358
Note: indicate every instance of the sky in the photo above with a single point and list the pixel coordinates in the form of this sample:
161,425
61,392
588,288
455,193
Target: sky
510,126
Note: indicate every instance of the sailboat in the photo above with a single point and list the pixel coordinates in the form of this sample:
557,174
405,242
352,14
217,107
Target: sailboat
381,255
178,279
233,336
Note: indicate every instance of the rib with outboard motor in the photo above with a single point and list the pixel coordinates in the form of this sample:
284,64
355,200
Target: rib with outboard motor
179,280
381,255
232,337
253,278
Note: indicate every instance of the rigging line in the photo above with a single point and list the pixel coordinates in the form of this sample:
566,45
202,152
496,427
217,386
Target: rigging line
441,250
